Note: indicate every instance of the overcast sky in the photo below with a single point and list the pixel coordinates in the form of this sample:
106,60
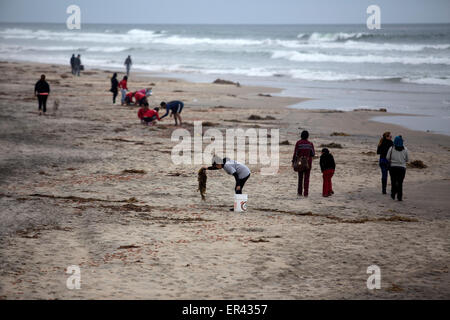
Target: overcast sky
226,11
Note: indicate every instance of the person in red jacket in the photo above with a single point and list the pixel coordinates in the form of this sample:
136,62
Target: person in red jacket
147,115
140,98
303,149
129,98
123,88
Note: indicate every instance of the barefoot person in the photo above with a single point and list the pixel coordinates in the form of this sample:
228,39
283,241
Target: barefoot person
327,166
383,147
41,91
240,171
175,108
397,157
302,161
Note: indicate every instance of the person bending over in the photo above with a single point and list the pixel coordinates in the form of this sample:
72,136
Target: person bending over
148,116
240,171
175,108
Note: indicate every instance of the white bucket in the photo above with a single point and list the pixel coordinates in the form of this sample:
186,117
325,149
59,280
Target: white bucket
240,202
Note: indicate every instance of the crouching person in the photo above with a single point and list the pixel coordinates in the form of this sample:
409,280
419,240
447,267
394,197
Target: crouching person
148,116
240,171
327,166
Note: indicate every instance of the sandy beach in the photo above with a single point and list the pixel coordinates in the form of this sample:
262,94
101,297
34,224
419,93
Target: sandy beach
88,185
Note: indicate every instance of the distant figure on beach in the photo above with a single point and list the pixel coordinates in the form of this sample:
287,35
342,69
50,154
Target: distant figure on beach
327,166
175,108
77,65
114,87
129,98
72,63
128,64
397,157
123,89
41,91
240,171
302,162
148,116
383,147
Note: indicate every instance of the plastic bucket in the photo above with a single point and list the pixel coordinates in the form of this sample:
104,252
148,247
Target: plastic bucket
240,202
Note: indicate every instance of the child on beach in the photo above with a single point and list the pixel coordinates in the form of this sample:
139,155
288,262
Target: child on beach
327,166
175,107
147,115
41,91
129,98
123,88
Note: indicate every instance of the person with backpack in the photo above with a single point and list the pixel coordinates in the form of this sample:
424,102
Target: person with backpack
327,166
397,156
383,147
41,91
114,87
302,162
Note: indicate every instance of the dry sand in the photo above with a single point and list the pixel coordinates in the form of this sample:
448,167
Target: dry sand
65,199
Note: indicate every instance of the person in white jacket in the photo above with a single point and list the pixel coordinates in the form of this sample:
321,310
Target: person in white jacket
397,157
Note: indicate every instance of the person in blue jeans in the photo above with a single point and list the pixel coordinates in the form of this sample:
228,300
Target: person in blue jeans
383,147
175,107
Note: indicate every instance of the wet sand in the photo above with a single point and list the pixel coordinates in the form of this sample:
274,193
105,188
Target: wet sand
88,185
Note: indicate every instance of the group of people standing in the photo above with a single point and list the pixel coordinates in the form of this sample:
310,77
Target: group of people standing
75,63
393,159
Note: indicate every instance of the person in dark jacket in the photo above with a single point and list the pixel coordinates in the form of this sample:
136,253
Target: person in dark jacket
175,108
114,87
327,166
72,63
41,91
303,148
77,65
383,147
128,64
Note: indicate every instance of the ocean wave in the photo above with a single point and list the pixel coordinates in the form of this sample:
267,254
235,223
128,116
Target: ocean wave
439,81
321,57
330,37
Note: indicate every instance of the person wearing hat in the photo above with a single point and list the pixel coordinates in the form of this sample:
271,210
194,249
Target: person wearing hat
397,157
240,171
327,166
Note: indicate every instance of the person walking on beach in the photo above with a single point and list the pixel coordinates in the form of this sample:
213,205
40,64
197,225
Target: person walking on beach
41,91
114,87
72,63
128,64
302,161
240,171
397,157
175,107
382,149
77,65
123,89
327,166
